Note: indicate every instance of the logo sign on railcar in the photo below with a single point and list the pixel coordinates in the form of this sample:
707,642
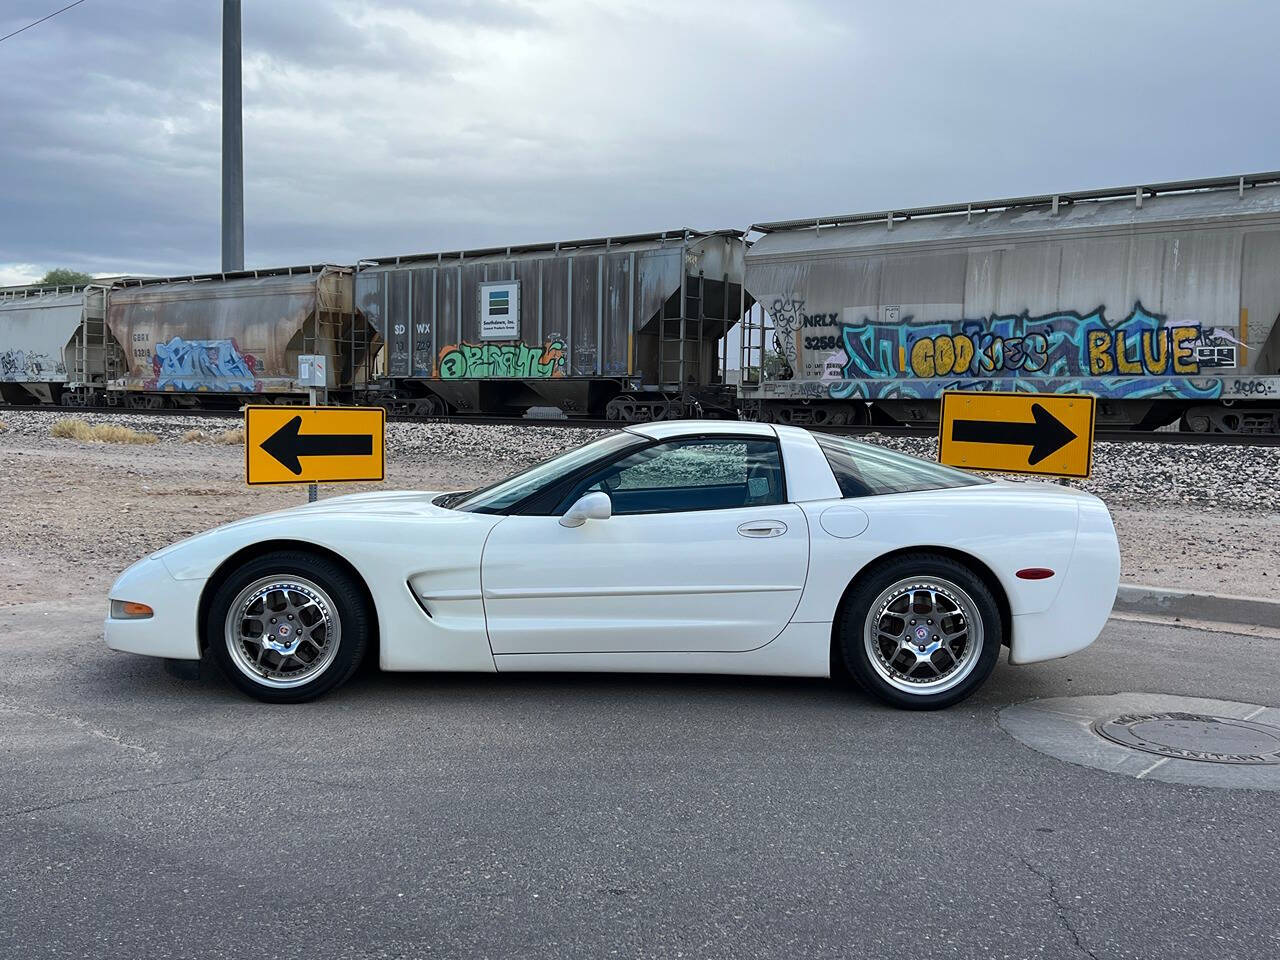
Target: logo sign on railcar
314,444
1042,433
500,310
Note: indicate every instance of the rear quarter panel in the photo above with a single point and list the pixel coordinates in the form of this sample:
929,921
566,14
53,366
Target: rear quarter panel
1007,527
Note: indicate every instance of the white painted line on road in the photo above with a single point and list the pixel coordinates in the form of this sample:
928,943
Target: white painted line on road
1139,776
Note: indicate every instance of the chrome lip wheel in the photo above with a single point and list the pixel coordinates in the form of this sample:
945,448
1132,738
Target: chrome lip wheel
923,635
282,631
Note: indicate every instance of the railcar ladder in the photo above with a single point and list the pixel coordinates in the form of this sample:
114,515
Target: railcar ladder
323,334
93,353
339,332
677,354
752,345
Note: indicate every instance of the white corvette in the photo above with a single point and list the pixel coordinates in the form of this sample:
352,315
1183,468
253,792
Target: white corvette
673,547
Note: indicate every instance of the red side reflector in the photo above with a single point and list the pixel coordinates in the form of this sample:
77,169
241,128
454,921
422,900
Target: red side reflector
1035,573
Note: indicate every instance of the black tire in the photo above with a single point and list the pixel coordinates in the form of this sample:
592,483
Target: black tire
852,621
339,594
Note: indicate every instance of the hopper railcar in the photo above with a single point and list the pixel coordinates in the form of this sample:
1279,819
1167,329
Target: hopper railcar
1161,300
210,340
54,344
627,328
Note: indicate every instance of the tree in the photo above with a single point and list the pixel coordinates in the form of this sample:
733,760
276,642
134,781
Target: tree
63,277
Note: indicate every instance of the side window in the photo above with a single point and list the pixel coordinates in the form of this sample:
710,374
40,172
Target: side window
708,473
867,470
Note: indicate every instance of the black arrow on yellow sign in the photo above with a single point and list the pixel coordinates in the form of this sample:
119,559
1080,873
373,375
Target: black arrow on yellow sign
287,445
1045,435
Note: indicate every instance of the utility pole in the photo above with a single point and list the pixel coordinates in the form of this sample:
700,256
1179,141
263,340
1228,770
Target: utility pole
232,141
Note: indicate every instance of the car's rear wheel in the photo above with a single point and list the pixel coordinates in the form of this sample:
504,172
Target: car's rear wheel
920,631
288,626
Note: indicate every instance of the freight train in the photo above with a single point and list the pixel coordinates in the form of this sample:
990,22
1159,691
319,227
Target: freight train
1162,300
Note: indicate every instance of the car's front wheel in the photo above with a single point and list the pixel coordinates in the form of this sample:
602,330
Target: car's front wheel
288,626
920,631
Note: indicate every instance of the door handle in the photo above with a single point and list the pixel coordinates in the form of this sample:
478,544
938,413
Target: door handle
762,528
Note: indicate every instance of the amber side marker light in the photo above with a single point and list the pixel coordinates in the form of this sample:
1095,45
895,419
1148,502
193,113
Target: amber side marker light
1035,573
128,610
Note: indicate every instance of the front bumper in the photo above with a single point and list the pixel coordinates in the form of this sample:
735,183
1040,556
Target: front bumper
172,631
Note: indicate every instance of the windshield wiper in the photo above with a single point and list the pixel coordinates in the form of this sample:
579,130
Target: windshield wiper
449,499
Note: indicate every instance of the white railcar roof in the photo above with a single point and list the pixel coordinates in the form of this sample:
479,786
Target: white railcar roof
1254,196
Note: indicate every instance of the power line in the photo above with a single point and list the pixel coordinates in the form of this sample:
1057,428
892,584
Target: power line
41,20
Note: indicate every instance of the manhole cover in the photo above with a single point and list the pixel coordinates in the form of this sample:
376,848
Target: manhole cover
1194,736
1240,741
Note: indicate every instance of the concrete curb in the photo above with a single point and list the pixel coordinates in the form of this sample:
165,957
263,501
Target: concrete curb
1216,607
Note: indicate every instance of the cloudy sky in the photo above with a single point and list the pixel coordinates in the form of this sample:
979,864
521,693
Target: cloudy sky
376,127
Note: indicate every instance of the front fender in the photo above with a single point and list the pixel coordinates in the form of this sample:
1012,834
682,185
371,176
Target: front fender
442,628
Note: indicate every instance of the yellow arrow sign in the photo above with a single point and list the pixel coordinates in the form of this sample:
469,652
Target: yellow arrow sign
1049,434
313,444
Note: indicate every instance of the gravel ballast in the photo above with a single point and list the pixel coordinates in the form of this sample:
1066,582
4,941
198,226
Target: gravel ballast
1202,517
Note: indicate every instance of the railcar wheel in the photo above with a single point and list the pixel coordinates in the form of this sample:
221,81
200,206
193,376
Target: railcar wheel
921,632
621,408
429,406
143,401
1196,422
288,627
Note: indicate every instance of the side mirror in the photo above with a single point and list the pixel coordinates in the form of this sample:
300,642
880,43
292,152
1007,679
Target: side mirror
590,506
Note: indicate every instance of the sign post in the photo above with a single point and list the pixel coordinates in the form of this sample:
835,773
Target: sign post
1048,434
311,372
313,444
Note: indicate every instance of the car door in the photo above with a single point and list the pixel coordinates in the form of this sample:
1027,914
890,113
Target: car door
701,553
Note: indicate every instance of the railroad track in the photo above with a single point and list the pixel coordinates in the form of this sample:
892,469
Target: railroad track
1110,436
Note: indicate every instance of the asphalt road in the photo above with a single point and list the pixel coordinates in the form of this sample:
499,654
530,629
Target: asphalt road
591,816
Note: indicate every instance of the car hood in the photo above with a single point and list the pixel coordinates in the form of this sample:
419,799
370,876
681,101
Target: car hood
371,508
384,502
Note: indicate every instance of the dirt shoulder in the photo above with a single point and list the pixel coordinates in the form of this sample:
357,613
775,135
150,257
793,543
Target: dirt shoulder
76,514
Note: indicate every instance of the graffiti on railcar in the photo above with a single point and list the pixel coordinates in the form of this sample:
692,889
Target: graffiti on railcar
216,365
27,365
466,361
905,357
788,321
1217,347
1117,388
1256,387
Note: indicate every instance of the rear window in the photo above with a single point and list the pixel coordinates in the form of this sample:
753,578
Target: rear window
867,470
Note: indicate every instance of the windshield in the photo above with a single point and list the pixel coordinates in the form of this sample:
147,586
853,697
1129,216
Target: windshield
505,493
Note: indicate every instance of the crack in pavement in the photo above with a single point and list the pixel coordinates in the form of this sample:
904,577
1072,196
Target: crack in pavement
198,778
10,706
198,767
1060,908
73,801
